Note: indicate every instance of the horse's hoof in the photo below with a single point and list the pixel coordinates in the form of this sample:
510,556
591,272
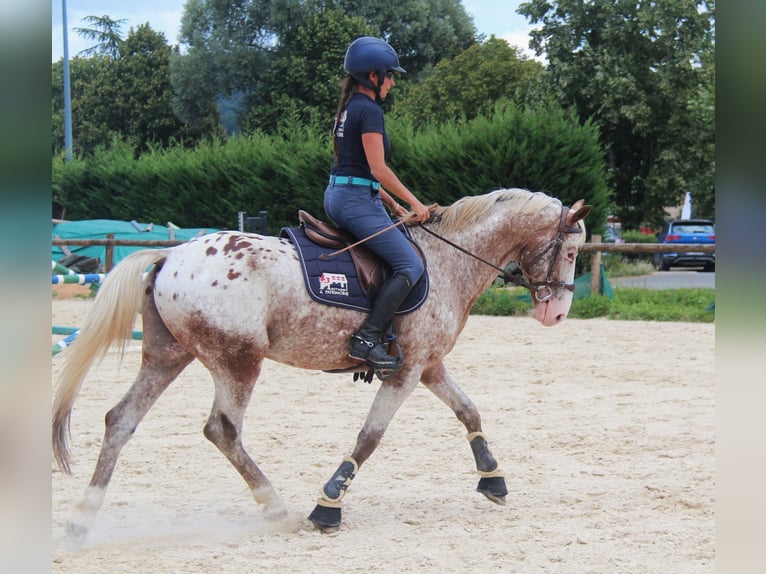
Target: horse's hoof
75,535
325,518
496,499
276,515
493,488
326,529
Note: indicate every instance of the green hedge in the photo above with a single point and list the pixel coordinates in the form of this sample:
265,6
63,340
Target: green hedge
543,150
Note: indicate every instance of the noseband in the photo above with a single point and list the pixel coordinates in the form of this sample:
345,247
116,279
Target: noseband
544,289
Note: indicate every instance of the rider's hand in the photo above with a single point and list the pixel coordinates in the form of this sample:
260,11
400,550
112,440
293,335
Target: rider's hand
420,212
399,211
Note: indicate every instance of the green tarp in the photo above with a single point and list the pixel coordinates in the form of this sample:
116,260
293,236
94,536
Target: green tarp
122,230
582,285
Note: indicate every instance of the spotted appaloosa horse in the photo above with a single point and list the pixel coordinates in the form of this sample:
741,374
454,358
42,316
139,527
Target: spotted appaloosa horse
233,299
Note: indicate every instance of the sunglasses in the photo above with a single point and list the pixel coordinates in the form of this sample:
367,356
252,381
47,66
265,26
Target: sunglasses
390,75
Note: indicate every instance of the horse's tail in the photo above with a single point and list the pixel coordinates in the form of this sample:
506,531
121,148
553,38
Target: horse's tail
108,324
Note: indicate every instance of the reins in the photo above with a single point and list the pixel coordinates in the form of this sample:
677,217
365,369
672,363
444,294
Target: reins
543,289
516,277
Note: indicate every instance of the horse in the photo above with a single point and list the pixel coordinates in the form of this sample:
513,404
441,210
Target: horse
232,299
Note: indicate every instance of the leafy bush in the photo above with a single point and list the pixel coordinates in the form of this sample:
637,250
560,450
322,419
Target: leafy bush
590,307
501,301
634,236
630,304
616,267
694,305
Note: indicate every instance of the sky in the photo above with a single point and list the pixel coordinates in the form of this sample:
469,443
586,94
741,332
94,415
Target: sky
496,17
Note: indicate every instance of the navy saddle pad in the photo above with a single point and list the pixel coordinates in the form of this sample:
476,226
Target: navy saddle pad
334,281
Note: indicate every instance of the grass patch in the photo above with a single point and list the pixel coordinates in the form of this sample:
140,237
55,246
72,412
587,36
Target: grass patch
502,301
617,267
636,304
629,304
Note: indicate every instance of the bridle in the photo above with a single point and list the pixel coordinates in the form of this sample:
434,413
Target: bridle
543,290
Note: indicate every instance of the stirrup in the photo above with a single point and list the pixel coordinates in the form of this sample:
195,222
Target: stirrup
388,370
371,373
384,374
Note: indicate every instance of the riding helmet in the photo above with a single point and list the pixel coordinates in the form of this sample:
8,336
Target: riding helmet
366,54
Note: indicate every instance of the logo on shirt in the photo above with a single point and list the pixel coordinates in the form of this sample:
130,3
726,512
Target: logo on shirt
341,124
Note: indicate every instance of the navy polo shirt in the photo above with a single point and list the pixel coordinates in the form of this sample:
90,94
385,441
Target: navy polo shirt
362,115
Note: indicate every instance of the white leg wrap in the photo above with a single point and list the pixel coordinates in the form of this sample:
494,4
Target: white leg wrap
491,474
473,435
322,501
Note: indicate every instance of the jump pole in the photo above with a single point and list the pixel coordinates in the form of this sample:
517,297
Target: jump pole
79,278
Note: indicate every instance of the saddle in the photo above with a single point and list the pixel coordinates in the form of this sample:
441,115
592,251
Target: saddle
368,266
350,279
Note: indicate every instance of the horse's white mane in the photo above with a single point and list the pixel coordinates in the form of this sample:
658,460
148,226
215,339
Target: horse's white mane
470,209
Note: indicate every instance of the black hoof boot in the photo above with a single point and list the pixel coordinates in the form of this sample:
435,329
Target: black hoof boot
493,488
326,518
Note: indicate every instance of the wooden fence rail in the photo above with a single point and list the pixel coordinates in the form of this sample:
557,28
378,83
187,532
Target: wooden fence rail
594,246
110,243
597,247
650,247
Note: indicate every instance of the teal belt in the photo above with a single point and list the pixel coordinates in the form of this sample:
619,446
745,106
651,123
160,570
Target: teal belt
349,180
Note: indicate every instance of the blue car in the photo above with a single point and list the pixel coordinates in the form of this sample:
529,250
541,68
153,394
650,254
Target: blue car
700,231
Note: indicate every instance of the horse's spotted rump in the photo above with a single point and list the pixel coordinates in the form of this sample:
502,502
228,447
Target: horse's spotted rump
211,251
235,243
233,274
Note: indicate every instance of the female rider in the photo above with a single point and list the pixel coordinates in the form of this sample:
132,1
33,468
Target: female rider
361,183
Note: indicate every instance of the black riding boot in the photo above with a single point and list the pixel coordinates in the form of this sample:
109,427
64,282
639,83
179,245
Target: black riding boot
367,344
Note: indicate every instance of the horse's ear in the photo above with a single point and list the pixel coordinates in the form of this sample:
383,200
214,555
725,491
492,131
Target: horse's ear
577,212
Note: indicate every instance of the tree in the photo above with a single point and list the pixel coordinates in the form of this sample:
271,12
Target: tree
228,50
127,96
472,83
304,80
107,32
642,71
423,32
238,49
83,73
143,95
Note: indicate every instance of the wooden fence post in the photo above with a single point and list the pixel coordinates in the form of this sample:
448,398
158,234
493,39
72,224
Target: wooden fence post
595,268
109,255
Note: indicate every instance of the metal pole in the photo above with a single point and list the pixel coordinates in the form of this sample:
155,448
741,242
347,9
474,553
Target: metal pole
67,90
